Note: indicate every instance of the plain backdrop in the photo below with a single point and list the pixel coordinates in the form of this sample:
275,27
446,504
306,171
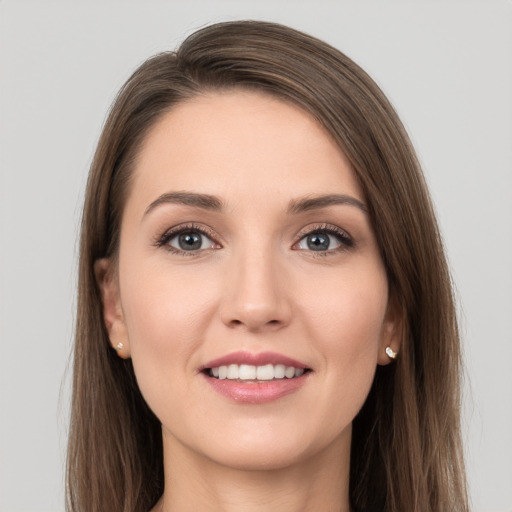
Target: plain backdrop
447,68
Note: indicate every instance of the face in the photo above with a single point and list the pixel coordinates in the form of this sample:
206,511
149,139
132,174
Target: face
249,292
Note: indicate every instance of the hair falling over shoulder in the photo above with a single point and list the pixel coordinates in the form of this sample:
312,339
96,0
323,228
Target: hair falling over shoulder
406,447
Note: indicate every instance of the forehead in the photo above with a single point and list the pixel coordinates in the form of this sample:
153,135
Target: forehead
241,144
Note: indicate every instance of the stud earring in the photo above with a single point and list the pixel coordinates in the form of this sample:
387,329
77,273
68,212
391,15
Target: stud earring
118,347
391,353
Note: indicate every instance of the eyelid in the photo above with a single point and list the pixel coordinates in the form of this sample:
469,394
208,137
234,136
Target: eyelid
345,238
169,234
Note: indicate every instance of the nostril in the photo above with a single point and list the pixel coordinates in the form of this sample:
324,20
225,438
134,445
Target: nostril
255,325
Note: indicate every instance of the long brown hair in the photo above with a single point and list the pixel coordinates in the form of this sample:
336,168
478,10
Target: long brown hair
406,447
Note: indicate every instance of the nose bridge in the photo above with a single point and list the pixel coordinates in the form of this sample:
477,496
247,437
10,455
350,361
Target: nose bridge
256,297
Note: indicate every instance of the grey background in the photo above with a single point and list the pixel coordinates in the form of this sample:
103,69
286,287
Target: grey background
447,67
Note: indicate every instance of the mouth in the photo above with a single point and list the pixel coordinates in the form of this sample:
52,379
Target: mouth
253,373
255,378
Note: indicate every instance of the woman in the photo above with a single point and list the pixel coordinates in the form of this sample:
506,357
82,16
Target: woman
265,316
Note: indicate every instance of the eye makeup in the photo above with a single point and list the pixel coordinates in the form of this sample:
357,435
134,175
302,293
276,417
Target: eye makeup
320,235
192,239
189,232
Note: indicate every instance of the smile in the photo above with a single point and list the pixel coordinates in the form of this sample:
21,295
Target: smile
249,378
247,372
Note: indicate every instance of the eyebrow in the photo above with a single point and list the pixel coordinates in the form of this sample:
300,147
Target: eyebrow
316,202
204,201
295,206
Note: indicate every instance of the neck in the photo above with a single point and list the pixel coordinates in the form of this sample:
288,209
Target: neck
193,482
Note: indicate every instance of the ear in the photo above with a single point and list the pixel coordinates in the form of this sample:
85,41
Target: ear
112,311
392,333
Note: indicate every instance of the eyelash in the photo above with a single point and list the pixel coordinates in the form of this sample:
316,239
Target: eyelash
346,241
187,228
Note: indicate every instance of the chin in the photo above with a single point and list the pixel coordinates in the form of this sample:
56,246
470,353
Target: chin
272,450
268,458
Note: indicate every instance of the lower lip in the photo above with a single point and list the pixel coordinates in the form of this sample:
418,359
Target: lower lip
256,392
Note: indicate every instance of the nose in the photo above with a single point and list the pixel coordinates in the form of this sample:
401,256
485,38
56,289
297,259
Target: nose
256,298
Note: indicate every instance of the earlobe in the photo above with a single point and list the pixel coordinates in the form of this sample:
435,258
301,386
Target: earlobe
392,333
111,303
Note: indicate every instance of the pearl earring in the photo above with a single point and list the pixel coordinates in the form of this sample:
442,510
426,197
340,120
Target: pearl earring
118,347
391,353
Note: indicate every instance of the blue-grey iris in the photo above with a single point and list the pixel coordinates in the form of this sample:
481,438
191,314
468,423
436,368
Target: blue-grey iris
190,241
318,242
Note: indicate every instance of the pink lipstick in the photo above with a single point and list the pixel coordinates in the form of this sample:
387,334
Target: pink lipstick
255,378
260,359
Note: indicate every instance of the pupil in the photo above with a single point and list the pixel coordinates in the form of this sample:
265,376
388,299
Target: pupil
190,241
318,242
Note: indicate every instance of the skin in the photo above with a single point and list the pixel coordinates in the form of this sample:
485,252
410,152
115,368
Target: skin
256,286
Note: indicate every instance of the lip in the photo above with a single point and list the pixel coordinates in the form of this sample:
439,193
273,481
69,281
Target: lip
252,392
260,359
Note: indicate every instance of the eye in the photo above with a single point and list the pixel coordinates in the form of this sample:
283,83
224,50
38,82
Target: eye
325,239
187,239
319,242
190,241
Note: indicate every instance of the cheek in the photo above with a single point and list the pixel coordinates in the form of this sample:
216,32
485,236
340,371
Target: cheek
167,312
344,318
346,310
166,308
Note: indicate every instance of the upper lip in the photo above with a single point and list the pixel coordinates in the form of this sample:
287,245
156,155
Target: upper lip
249,358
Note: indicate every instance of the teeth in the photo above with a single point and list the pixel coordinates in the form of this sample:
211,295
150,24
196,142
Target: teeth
265,372
289,372
232,371
223,372
279,371
249,372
